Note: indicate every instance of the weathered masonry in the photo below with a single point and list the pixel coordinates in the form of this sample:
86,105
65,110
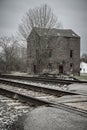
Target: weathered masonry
53,50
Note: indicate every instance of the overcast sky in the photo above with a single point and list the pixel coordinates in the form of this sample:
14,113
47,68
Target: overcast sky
71,13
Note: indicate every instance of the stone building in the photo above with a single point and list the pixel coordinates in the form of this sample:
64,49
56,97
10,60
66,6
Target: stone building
53,50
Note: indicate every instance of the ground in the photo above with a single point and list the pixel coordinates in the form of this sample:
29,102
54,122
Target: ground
83,76
48,118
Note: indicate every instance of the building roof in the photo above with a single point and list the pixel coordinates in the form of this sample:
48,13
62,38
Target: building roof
55,32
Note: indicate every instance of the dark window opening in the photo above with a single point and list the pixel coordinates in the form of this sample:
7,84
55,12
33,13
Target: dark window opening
50,66
71,65
71,53
50,52
61,69
37,53
83,69
34,69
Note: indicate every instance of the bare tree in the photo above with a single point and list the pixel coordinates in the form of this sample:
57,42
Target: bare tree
12,55
84,57
8,46
42,17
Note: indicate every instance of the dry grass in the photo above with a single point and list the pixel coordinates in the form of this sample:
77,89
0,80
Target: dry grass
82,76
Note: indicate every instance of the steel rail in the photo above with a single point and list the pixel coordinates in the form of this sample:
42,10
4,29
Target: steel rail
38,102
43,79
37,79
52,91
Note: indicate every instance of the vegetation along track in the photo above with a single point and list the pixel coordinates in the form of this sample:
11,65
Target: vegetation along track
36,98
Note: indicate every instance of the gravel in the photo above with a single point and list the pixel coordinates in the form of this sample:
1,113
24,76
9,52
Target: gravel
56,86
40,95
9,116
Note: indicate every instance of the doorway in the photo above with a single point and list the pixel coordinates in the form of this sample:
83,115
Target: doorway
34,66
61,69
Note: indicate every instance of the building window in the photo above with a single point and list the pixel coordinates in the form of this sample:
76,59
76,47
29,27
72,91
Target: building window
50,53
50,66
71,53
84,69
71,65
37,53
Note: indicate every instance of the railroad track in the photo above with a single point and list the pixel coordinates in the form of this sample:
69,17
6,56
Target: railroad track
26,85
23,97
10,110
36,99
43,79
15,103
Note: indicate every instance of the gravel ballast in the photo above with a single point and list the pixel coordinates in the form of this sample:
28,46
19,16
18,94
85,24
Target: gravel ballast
10,117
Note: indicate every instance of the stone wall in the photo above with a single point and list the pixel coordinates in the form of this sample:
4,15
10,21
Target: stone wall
32,46
38,50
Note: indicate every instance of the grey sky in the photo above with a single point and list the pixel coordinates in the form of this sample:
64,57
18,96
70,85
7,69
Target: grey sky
72,14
